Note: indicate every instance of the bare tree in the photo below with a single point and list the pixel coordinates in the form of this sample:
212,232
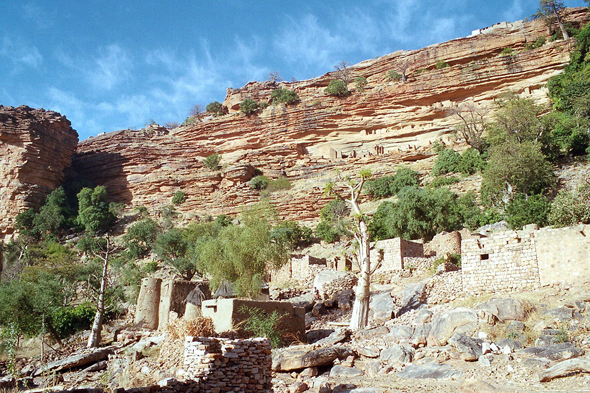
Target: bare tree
274,77
196,111
103,249
550,11
403,68
343,71
472,126
354,187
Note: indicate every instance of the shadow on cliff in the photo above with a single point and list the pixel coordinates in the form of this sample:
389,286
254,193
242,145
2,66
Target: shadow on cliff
98,168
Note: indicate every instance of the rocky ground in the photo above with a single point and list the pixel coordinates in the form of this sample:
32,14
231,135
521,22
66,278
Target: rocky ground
423,336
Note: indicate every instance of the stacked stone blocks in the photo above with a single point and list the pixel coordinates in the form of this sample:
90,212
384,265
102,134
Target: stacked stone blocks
224,365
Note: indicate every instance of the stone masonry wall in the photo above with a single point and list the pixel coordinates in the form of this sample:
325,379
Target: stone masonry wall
302,268
394,252
563,254
504,261
224,365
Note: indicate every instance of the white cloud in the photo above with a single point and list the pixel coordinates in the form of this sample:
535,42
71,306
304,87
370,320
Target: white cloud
310,45
35,13
20,53
514,12
110,68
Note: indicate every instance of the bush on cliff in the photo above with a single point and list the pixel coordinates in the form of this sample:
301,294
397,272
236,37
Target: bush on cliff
249,106
337,88
284,96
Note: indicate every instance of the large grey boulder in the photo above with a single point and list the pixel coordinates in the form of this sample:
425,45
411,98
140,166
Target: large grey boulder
372,333
561,314
400,333
443,326
382,306
420,335
304,356
307,301
468,348
430,371
398,354
84,358
412,296
502,310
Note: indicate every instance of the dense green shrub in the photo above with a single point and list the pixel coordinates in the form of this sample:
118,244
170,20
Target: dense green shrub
262,324
337,88
471,162
507,52
360,83
212,161
259,182
334,221
447,161
284,96
379,188
515,168
216,108
516,120
248,106
404,177
539,42
571,207
441,64
140,237
69,320
524,210
95,213
171,247
178,198
291,234
441,181
282,183
393,75
420,213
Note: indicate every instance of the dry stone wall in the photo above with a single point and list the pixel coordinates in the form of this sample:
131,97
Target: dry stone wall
514,260
394,252
301,268
224,365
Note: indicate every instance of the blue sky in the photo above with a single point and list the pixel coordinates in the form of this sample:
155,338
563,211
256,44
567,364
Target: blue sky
109,65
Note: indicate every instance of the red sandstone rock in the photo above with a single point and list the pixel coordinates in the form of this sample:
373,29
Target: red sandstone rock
35,149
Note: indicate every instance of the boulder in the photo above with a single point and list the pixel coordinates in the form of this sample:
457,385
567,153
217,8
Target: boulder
561,314
368,352
336,337
502,310
459,320
424,316
412,296
316,335
304,356
382,306
306,301
372,333
398,354
430,371
513,344
87,357
561,351
467,347
327,277
420,335
342,371
400,333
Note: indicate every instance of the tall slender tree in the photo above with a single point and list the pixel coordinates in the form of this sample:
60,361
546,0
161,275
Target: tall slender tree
353,189
550,11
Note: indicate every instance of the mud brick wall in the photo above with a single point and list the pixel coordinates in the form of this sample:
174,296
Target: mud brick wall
224,365
394,252
502,262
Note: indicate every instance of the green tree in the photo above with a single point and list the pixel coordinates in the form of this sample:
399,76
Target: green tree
337,88
140,237
571,207
550,11
248,106
259,182
517,119
291,235
419,213
178,198
360,83
216,108
243,254
172,247
334,221
95,213
524,210
515,168
447,161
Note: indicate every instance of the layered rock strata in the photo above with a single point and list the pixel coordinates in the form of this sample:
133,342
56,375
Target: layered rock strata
36,147
386,123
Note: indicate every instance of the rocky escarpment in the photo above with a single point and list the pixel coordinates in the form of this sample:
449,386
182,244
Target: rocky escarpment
386,123
36,147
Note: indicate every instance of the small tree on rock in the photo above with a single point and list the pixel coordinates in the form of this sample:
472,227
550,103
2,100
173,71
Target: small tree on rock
550,11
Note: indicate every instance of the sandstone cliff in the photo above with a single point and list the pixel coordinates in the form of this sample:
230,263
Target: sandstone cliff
36,147
385,124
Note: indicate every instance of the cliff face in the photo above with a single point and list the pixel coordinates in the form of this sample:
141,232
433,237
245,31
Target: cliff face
387,123
36,147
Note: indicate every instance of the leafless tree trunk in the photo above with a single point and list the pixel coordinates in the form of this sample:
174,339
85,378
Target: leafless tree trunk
360,309
95,333
472,127
555,9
